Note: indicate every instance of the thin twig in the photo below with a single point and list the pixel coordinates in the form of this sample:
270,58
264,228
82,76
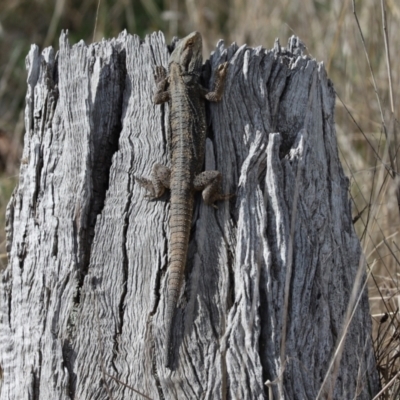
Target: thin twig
129,387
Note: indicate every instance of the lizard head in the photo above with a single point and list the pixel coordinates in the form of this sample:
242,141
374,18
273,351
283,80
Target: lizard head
188,53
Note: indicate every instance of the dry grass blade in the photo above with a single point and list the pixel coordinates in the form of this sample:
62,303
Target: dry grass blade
333,370
375,86
96,20
389,69
359,215
398,192
378,157
51,32
340,23
152,9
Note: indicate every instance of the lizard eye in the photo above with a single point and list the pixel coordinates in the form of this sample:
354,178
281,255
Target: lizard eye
189,42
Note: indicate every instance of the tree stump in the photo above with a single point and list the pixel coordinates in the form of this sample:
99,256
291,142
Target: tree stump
270,275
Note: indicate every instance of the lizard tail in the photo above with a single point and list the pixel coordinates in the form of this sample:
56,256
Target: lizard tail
174,284
180,223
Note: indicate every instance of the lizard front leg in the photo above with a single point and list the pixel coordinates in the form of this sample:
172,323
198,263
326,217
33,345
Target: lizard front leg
160,180
160,76
160,174
216,95
209,182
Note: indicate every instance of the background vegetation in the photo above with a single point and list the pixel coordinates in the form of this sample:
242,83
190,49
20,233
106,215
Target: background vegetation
357,58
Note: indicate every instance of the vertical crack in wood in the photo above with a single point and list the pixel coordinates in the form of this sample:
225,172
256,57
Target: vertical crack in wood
125,261
36,375
152,349
22,251
105,131
66,351
9,303
230,263
38,173
104,138
149,336
105,141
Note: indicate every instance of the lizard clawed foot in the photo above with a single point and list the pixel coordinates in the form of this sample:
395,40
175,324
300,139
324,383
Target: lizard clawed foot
147,185
154,189
222,70
150,197
159,74
222,197
220,76
143,182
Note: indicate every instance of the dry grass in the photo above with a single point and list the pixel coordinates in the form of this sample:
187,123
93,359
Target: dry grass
359,59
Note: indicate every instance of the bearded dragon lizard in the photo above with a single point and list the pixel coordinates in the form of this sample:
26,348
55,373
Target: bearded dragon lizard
186,97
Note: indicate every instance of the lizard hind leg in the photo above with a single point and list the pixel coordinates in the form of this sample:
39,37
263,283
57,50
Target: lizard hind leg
209,182
160,180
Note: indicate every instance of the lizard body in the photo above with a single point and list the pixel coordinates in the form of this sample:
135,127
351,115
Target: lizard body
186,98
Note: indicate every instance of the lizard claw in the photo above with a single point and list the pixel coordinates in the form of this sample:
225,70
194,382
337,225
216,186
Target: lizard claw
145,184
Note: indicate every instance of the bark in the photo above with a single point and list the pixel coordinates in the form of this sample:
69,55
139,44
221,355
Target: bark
269,276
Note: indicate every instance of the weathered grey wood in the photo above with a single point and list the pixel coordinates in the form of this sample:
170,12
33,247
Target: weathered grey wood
83,295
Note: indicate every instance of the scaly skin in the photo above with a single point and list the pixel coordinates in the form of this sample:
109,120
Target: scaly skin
186,99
